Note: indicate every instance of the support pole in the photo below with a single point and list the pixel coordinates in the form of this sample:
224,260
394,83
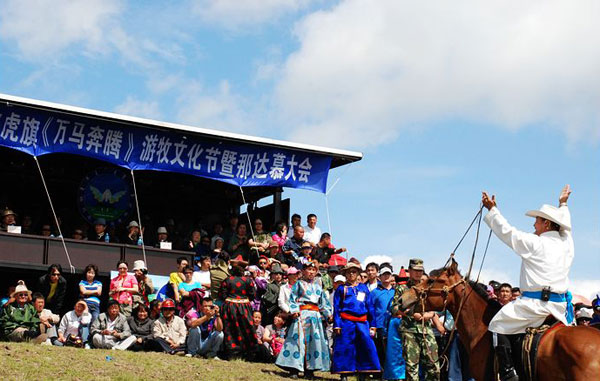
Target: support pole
277,206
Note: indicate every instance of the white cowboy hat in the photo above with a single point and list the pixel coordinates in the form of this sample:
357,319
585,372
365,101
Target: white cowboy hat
551,213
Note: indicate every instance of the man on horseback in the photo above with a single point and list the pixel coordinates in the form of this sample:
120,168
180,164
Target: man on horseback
546,257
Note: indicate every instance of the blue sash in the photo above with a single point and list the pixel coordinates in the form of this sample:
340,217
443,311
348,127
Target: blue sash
557,298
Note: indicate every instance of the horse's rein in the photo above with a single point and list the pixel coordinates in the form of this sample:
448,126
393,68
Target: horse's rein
444,292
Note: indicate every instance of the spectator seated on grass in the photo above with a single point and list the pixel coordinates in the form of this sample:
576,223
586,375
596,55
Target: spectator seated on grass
74,327
274,335
20,321
141,326
48,320
169,330
206,330
110,330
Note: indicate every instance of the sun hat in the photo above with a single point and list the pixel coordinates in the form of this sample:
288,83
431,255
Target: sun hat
551,213
8,212
139,265
351,265
133,224
21,287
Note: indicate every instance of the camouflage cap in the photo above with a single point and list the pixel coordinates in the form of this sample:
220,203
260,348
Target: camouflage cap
416,264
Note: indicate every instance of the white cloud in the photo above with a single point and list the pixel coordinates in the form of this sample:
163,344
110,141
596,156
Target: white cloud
236,14
366,70
135,107
220,109
46,31
379,259
43,28
585,287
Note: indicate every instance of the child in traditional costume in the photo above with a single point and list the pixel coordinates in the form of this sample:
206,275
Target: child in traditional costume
305,348
353,349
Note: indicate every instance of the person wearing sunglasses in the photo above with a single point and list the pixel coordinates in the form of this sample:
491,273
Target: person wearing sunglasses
54,287
19,321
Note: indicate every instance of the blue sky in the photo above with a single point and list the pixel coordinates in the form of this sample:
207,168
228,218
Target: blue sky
445,100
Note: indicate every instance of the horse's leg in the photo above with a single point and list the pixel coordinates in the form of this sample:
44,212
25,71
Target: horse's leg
481,360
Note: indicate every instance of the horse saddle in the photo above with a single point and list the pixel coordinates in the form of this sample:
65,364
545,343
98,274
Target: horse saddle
525,349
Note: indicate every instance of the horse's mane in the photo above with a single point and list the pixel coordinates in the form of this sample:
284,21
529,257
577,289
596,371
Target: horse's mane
479,288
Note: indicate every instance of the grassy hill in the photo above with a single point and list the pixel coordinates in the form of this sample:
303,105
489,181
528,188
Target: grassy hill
24,361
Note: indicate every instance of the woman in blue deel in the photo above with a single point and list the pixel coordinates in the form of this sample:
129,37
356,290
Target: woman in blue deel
353,349
305,348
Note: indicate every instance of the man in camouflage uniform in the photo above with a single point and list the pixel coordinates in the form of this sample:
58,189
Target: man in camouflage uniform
419,345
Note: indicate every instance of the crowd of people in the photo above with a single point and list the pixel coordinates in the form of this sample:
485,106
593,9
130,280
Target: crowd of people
266,296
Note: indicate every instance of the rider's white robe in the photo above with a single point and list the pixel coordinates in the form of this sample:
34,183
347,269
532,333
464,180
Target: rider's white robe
546,260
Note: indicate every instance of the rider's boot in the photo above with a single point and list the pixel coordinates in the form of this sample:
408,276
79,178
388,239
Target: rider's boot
505,362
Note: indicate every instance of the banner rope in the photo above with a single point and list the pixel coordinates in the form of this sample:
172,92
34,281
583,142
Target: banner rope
326,194
71,267
137,207
249,220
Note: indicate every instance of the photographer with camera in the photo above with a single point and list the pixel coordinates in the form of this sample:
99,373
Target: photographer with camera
205,330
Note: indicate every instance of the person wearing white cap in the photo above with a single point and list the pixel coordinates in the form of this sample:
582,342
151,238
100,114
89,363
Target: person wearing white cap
546,257
378,302
145,286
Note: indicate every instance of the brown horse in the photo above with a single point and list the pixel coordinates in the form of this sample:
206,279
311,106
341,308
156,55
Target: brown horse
567,353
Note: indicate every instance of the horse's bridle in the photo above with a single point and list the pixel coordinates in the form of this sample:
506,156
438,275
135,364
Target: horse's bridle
423,293
443,292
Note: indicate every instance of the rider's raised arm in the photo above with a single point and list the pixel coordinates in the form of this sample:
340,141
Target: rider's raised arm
522,243
562,205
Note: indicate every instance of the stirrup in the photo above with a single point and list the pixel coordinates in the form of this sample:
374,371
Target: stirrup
509,374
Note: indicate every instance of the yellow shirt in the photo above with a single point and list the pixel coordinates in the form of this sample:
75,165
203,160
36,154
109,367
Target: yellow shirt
175,279
52,291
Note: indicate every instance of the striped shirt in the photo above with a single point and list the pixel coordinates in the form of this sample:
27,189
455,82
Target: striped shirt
94,286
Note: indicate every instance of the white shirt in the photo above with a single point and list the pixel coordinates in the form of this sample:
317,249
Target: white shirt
546,259
202,277
284,297
312,235
70,323
110,324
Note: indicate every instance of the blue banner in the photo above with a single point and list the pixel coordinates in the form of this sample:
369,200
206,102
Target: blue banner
39,132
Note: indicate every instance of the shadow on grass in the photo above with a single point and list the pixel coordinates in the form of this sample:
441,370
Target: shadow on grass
279,373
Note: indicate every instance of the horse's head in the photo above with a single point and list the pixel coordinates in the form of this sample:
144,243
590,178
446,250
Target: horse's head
436,292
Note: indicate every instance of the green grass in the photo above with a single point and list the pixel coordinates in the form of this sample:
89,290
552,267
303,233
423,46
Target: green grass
25,361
